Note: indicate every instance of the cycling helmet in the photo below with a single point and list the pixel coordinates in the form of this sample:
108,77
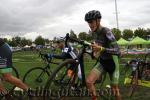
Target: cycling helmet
94,14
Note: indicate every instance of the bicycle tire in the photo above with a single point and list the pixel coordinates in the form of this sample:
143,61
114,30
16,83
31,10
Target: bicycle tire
36,77
65,82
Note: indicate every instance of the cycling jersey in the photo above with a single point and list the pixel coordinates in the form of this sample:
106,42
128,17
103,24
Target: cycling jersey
104,37
5,58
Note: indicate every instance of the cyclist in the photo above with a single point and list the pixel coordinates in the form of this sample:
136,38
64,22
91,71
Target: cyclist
105,43
67,52
6,68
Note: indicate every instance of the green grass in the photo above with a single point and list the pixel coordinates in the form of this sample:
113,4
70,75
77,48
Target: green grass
26,60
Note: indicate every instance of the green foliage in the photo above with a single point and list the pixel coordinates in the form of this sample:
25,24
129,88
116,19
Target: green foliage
140,32
82,35
148,33
72,34
117,33
25,41
85,36
127,34
47,41
39,41
18,41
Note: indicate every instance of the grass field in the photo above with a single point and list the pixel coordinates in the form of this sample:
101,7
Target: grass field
25,60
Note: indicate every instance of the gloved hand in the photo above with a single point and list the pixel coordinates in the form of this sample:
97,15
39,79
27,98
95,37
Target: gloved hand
97,48
49,56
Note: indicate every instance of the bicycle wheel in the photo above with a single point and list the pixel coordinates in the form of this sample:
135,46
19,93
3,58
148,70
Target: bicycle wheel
60,79
36,77
133,84
10,87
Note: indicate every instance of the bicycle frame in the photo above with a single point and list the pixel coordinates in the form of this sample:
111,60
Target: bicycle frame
48,61
80,57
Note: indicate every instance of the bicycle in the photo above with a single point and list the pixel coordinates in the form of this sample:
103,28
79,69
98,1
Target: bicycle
39,75
137,74
65,77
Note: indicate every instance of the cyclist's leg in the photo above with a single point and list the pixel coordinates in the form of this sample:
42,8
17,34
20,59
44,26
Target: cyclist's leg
13,80
114,77
92,77
7,64
3,91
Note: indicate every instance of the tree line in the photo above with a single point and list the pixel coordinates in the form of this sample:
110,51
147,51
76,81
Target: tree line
127,34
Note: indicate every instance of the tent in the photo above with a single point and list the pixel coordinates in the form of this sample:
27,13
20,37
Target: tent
138,40
122,41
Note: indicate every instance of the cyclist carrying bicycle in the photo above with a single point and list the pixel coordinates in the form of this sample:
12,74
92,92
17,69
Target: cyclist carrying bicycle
6,68
104,43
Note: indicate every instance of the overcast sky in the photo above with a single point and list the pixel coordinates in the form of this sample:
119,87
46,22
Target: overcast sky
51,18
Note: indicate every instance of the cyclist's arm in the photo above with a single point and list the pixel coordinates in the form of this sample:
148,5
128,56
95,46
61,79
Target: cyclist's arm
63,55
113,48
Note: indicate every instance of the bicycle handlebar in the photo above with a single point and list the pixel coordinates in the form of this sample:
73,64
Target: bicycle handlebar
81,42
84,43
45,57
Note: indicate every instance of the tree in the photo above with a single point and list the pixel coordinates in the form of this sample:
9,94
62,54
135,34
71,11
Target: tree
72,34
25,41
39,41
117,33
148,33
89,37
140,32
16,41
47,41
5,39
9,42
82,35
29,42
127,34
